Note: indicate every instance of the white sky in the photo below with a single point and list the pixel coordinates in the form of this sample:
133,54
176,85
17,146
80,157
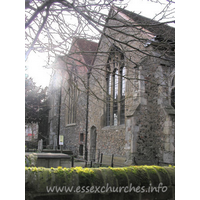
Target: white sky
146,7
35,69
36,62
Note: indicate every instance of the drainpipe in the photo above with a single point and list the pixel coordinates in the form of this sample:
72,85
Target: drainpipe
86,125
59,110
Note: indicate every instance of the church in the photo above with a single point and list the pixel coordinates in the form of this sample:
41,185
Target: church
117,96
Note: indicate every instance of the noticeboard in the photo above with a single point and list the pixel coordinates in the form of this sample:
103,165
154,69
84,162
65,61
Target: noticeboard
61,139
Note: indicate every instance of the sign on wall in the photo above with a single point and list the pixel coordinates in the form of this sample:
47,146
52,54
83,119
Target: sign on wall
61,139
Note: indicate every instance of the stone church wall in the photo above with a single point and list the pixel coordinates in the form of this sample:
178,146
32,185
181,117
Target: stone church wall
147,133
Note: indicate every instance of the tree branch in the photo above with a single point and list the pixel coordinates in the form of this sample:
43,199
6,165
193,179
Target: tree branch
39,9
38,33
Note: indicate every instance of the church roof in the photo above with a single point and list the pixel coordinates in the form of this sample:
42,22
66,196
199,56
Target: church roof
87,49
157,28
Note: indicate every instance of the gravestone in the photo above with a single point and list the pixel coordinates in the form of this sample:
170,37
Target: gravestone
40,145
51,140
55,142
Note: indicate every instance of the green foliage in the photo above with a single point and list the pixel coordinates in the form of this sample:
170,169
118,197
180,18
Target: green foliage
30,160
36,103
78,176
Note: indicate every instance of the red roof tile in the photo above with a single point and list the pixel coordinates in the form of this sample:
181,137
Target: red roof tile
87,48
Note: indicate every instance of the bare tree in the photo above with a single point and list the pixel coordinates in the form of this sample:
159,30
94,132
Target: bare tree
144,47
51,24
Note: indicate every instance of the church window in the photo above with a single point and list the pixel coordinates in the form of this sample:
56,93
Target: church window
173,92
115,87
71,100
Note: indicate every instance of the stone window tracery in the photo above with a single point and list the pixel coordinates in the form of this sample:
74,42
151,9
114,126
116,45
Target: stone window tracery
115,88
71,100
173,92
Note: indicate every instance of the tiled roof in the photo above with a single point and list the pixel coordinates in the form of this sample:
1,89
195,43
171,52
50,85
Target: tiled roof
157,28
87,48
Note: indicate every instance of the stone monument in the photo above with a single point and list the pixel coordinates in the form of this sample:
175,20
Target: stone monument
40,145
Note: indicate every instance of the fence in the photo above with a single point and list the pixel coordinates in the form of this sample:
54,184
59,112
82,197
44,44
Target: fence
99,159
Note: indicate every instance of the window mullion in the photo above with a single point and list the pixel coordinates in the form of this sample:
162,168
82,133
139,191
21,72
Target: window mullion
115,84
112,97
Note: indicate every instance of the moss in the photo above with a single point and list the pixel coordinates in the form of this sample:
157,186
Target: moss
60,178
108,176
142,176
43,176
132,175
34,169
38,178
98,178
120,175
86,176
163,175
171,173
152,175
31,178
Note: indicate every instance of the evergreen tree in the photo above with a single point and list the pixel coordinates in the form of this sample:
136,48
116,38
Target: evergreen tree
36,102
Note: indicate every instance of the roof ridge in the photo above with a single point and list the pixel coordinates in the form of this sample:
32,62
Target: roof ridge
87,48
128,13
79,38
157,28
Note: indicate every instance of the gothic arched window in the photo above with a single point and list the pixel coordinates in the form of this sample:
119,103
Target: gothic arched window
173,92
115,87
72,98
